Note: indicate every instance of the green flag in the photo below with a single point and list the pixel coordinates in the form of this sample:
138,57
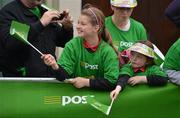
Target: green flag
19,31
99,106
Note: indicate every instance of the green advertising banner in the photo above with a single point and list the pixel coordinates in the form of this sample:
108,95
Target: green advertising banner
28,99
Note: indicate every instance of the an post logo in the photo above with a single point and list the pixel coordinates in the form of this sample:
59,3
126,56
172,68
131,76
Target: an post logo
89,66
65,100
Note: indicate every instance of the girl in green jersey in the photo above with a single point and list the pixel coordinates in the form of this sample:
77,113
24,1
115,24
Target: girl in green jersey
89,58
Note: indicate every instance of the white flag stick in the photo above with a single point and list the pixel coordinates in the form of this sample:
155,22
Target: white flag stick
109,109
29,43
34,48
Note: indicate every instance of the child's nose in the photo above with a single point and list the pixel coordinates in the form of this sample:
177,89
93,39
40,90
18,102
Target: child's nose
133,58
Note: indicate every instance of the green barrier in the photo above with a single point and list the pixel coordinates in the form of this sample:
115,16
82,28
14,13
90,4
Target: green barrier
60,100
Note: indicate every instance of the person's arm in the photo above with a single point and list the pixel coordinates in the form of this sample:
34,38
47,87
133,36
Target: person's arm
63,35
173,12
122,81
101,84
65,30
156,80
6,40
104,84
60,74
174,76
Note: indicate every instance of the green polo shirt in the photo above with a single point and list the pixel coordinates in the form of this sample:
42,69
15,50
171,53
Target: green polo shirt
149,71
125,39
172,58
79,62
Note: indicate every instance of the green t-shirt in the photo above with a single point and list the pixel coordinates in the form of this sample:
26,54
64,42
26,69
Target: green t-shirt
79,62
125,39
172,58
151,70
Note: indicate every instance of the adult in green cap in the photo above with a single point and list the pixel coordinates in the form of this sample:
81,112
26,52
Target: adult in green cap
124,30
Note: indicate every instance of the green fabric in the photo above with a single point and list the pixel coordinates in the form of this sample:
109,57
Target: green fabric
23,71
172,57
27,100
19,31
97,105
125,39
151,70
78,61
36,12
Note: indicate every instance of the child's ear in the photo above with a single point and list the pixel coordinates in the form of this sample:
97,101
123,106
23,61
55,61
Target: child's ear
97,28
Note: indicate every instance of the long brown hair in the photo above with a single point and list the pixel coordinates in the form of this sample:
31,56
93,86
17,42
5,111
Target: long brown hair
97,18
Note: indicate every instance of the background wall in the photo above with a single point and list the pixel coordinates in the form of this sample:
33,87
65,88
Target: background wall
151,13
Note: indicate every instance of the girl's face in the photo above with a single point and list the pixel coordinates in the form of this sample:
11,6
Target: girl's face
85,28
137,60
122,13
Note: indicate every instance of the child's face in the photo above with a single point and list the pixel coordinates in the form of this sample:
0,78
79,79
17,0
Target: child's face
122,13
138,60
85,28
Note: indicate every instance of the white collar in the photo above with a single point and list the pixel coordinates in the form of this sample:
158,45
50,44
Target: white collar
127,26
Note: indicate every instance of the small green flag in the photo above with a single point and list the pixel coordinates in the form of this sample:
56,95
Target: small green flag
19,31
99,106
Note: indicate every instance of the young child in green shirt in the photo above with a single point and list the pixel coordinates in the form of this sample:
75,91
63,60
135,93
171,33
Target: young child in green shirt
141,69
89,58
124,30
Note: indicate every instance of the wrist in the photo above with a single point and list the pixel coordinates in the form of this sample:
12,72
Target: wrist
118,88
55,67
87,82
144,79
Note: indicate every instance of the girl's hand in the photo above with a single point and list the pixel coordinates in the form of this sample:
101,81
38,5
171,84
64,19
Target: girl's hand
115,92
80,82
137,80
49,60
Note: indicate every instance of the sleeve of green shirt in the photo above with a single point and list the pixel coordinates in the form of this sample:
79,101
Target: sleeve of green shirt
68,58
156,70
111,65
143,33
126,70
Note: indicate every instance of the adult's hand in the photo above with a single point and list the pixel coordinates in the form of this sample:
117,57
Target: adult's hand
48,16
